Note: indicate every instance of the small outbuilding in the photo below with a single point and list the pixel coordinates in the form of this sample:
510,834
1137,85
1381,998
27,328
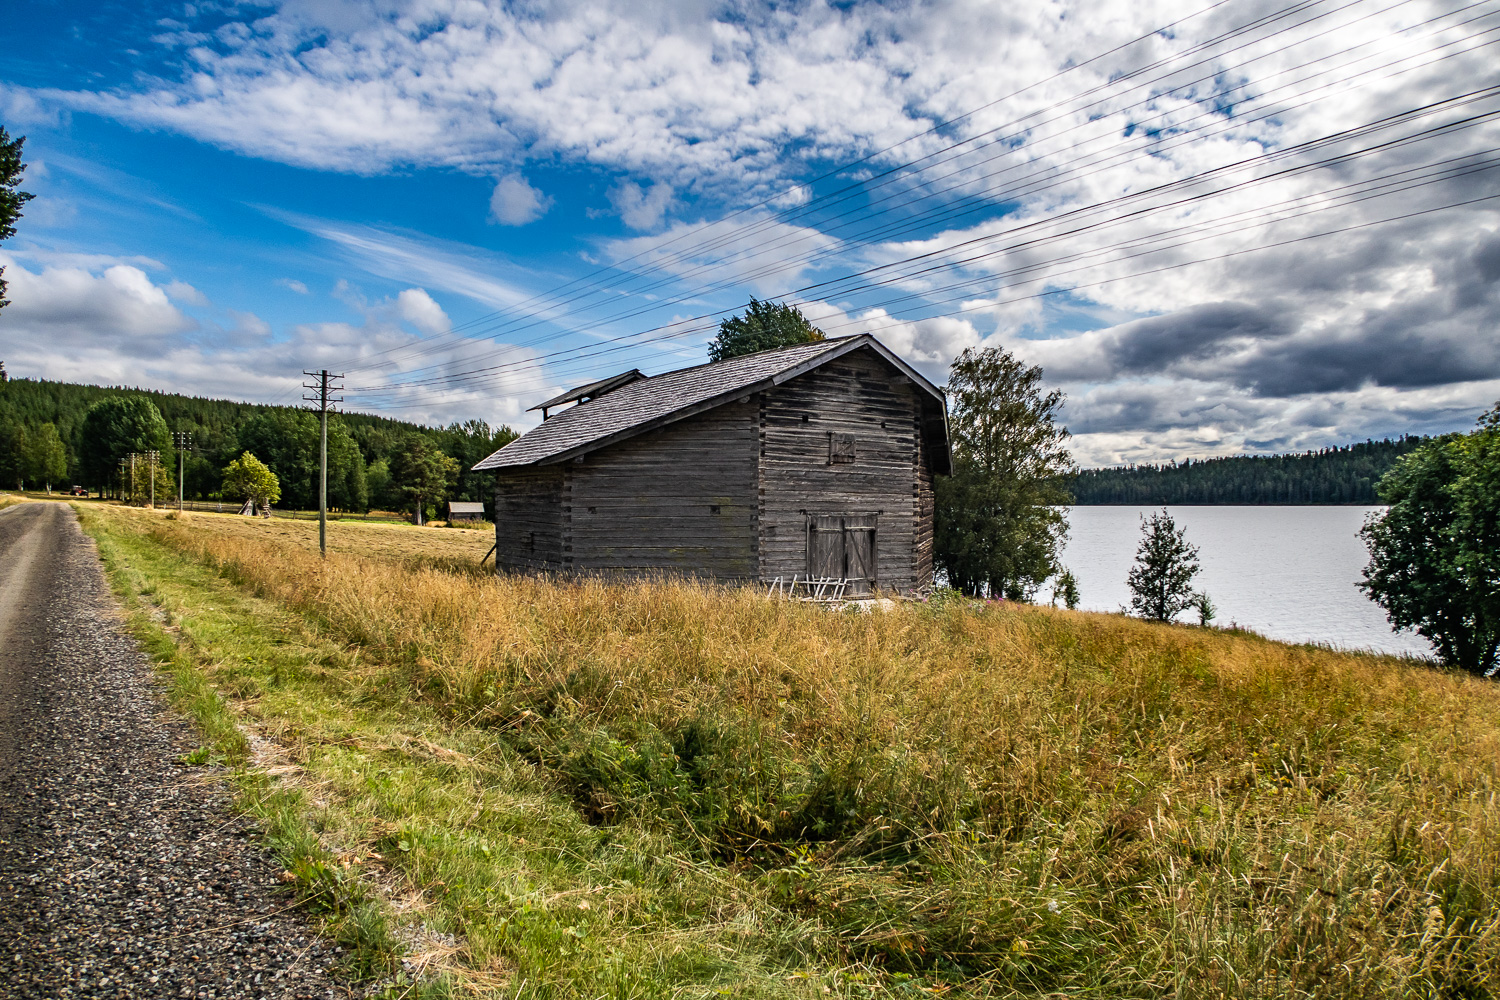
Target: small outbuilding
815,460
464,510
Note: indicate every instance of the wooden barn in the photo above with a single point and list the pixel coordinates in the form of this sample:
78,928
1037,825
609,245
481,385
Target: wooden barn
464,510
813,460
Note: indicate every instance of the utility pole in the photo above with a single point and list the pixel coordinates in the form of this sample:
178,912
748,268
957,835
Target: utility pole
152,459
132,477
321,399
182,441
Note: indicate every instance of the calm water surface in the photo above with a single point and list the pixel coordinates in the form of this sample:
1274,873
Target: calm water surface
1285,572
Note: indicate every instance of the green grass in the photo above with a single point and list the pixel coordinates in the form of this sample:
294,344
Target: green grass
533,789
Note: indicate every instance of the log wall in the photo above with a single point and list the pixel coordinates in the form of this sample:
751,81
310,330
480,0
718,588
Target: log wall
679,500
529,518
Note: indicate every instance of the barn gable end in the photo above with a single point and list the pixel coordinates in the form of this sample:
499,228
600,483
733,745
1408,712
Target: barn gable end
841,443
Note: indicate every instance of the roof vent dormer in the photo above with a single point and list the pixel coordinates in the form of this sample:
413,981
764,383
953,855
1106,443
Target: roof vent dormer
584,393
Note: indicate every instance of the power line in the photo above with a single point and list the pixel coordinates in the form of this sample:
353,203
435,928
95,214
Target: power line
909,223
1161,31
1113,82
1123,277
933,259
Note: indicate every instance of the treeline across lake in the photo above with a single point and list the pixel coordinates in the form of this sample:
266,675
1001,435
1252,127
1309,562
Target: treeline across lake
44,442
1344,475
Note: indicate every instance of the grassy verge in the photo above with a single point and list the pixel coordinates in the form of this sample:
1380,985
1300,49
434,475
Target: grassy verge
209,638
658,790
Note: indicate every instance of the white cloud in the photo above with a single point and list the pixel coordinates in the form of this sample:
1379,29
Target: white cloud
687,93
418,308
181,291
293,284
515,202
755,251
638,208
113,324
63,308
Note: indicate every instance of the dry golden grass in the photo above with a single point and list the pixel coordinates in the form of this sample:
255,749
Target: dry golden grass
383,541
1004,800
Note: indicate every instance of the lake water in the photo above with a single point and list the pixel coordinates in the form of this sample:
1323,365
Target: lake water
1286,572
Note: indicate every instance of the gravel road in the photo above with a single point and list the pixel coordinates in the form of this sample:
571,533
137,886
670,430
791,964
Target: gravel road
123,873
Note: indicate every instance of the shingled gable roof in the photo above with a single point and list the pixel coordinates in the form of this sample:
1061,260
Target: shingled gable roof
648,403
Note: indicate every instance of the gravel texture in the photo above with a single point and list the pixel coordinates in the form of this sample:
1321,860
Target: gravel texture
123,872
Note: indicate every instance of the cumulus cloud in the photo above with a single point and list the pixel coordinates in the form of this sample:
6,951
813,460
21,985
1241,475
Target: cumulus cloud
692,93
292,284
112,323
63,308
641,208
181,291
1144,237
418,308
515,202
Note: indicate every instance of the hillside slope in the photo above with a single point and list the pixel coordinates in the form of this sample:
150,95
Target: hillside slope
218,426
664,790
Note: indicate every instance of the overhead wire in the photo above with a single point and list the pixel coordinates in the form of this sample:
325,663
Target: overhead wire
1179,139
1113,82
1049,292
831,286
934,129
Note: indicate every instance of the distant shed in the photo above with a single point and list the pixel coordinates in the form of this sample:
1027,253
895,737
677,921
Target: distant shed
463,510
813,460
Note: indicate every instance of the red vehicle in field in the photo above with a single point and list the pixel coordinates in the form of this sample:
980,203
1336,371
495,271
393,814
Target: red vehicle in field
78,491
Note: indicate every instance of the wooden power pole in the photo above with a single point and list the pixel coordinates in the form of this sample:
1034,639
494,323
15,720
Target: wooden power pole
320,398
183,441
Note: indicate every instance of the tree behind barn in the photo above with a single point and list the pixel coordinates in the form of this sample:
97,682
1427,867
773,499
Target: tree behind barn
1435,552
422,473
765,326
1000,526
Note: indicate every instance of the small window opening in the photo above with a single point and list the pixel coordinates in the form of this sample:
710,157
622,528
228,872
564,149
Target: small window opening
804,418
593,510
713,509
840,449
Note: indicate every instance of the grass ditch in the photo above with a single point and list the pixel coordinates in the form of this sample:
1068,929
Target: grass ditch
653,789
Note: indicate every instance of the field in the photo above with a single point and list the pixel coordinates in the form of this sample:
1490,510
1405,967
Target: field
523,788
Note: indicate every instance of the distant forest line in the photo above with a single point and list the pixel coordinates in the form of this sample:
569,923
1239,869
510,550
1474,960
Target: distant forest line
1343,475
361,445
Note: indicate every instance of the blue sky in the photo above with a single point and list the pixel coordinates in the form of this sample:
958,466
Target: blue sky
467,206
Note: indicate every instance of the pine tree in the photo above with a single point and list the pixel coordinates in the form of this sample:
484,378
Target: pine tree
1161,580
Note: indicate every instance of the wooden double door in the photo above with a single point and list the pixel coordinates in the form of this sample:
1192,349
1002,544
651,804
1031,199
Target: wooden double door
842,547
